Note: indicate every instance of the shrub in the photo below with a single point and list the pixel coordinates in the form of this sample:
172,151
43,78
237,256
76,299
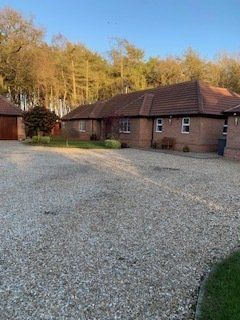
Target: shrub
112,144
186,149
45,140
35,139
40,139
39,119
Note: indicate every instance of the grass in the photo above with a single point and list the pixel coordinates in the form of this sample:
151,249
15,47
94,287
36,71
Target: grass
221,300
74,143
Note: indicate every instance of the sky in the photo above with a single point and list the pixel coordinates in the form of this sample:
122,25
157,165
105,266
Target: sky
159,27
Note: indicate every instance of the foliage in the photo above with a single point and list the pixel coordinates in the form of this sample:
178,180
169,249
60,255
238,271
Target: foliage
41,139
112,144
63,74
221,292
45,139
35,139
39,119
75,143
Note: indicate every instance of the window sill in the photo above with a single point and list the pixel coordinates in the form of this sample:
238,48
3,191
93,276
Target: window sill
185,132
82,130
127,132
158,131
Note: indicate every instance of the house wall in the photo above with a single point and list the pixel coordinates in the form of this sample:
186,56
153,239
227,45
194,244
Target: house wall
20,129
140,135
72,128
203,135
232,150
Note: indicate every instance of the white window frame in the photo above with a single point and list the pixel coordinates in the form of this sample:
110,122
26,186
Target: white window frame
124,125
159,124
225,125
82,126
185,125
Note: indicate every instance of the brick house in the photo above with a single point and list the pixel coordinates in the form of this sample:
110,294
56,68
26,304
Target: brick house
11,122
232,149
189,113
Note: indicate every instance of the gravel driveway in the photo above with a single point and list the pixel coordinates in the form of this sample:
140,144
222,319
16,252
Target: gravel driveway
101,234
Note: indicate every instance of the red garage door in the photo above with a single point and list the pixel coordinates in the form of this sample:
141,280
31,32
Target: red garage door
8,128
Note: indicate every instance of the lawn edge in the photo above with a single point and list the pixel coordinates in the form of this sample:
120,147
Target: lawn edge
202,285
201,292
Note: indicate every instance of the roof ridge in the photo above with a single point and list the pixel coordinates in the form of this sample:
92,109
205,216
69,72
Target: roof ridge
146,96
96,105
127,104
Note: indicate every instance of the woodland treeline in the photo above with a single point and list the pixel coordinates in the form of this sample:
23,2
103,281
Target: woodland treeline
62,74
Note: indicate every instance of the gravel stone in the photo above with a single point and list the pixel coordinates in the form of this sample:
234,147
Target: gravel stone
110,234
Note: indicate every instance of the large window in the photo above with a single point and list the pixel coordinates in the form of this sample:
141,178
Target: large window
82,125
159,125
124,125
185,125
225,127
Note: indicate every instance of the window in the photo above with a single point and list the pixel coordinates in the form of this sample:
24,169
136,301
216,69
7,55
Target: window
82,125
185,125
225,127
124,125
159,125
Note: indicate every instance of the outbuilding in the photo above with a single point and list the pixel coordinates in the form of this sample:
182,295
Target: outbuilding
11,122
232,149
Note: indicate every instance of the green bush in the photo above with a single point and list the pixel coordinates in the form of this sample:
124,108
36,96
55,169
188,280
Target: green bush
35,139
45,139
112,144
41,139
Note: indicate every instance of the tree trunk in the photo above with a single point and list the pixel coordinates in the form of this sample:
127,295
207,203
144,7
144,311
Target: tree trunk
74,83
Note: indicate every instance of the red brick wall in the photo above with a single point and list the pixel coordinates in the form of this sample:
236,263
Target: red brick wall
202,137
232,149
73,128
20,128
140,135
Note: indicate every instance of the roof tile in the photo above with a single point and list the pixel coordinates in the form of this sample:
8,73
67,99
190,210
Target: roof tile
192,97
9,109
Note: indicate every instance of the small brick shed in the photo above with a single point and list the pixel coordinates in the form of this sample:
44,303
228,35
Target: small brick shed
11,123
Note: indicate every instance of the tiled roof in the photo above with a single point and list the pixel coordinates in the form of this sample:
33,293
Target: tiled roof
88,111
192,97
217,100
8,109
233,110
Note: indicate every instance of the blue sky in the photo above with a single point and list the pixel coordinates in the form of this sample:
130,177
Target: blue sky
158,27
